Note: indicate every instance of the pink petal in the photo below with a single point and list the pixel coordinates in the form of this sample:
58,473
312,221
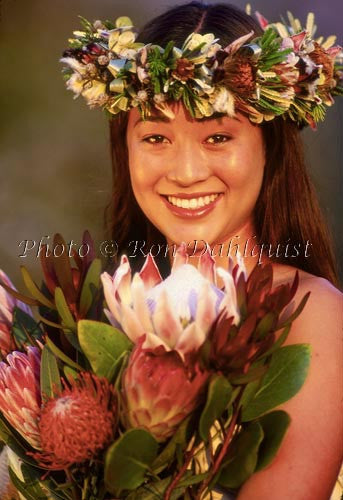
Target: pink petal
206,266
237,44
150,273
262,21
6,313
5,298
14,401
111,318
229,301
151,341
180,257
130,323
191,339
206,308
110,297
167,326
139,303
122,280
298,40
241,266
333,51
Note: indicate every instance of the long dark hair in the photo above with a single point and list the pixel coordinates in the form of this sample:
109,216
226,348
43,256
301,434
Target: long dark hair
287,209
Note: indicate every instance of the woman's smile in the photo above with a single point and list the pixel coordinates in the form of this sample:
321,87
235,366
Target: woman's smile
195,179
191,205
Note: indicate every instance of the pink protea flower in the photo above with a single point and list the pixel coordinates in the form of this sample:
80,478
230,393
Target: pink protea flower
20,396
78,424
177,312
159,390
7,304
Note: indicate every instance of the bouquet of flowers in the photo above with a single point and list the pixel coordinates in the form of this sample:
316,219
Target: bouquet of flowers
134,387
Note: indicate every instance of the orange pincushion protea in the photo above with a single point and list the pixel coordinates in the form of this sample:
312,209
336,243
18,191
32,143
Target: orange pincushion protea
78,424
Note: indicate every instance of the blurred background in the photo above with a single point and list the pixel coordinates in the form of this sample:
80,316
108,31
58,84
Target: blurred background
54,152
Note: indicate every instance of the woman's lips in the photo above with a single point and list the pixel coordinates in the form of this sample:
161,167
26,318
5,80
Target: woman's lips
188,212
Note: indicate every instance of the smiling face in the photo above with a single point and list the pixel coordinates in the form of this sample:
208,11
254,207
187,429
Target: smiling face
196,179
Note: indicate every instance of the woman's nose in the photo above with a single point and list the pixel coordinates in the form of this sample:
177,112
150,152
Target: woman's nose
188,165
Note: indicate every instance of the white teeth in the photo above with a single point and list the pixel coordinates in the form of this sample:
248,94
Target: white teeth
193,203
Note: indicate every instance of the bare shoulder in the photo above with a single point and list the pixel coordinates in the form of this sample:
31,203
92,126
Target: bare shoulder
322,317
309,460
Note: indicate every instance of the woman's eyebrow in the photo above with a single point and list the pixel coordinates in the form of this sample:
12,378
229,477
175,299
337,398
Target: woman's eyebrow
164,119
152,118
217,116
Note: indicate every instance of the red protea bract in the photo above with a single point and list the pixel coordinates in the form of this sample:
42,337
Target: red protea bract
160,390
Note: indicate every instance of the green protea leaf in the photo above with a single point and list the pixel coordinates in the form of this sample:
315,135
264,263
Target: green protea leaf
286,374
128,460
103,345
50,381
274,425
218,398
241,460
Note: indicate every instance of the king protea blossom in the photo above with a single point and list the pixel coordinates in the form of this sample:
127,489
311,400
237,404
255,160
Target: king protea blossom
78,423
7,305
160,390
177,312
20,395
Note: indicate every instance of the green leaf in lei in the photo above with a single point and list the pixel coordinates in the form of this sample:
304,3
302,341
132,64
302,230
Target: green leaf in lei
286,374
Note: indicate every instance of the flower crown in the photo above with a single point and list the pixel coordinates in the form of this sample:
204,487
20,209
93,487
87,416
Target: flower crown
283,72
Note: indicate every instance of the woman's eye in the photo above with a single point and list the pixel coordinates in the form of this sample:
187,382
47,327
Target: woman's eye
155,139
218,139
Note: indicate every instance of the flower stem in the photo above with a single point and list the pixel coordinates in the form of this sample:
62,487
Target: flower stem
70,478
221,455
181,472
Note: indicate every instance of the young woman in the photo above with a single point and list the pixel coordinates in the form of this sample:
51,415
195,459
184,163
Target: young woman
220,180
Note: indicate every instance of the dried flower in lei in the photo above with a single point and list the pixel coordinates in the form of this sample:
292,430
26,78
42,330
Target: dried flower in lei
184,69
76,425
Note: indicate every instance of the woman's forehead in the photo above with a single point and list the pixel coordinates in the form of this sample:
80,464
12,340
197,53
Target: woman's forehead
181,114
